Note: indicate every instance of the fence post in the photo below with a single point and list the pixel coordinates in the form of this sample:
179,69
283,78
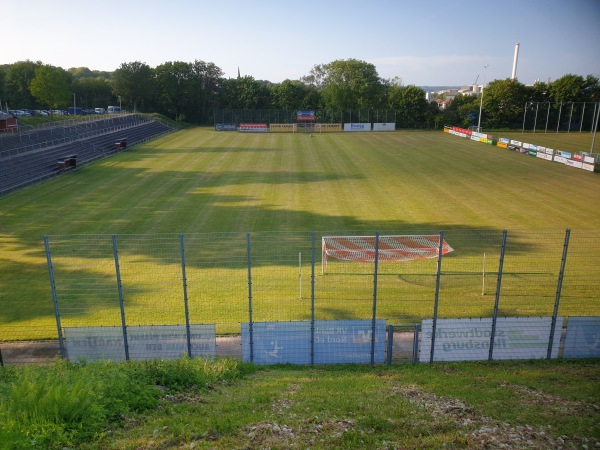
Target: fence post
390,344
250,331
497,298
415,354
561,274
121,302
374,318
185,297
437,295
54,298
312,301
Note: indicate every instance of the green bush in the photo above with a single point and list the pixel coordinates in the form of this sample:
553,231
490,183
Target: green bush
64,404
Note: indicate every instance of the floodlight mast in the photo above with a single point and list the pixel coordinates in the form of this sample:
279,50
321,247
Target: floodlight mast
481,99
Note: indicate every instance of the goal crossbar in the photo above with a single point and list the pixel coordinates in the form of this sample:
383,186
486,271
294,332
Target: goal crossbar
390,248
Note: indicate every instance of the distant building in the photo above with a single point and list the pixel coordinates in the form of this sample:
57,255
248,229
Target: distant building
8,123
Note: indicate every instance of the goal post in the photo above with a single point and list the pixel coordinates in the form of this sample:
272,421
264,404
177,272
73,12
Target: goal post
390,248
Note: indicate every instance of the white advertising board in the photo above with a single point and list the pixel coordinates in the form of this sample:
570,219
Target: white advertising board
560,159
588,167
144,342
384,127
516,143
576,164
357,127
469,339
544,156
589,159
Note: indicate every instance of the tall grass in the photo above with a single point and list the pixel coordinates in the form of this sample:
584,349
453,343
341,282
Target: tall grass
68,403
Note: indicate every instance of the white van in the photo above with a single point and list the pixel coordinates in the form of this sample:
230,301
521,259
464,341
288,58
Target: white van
100,111
114,109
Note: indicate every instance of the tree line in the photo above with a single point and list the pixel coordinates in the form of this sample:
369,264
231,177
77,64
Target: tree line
190,91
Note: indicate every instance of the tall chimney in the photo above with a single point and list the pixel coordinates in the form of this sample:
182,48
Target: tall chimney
514,72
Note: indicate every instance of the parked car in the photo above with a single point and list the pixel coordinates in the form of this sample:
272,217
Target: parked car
100,111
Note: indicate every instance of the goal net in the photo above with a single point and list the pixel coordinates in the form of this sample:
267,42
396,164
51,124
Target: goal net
390,248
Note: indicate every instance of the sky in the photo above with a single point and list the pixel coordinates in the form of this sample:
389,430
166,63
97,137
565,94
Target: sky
424,42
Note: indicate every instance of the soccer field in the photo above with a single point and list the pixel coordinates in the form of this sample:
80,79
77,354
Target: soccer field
202,181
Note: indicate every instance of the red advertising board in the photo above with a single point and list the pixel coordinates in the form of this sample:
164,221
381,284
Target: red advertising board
256,127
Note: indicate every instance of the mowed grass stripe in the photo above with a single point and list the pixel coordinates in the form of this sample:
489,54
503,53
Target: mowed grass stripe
199,180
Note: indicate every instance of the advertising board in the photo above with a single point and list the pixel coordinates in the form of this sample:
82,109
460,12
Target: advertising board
283,128
144,342
327,127
384,127
335,341
502,144
544,156
481,135
226,127
588,167
253,127
560,159
589,159
576,164
305,115
516,143
582,339
357,127
564,154
469,339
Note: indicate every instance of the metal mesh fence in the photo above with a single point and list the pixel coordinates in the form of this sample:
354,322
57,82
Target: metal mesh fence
269,116
230,280
555,117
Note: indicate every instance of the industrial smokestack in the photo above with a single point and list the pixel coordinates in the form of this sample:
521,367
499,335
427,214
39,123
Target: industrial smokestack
514,72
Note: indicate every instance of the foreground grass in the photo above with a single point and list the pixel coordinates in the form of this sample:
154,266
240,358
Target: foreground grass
229,404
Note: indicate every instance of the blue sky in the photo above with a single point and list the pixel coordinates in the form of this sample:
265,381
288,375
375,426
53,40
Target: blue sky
424,42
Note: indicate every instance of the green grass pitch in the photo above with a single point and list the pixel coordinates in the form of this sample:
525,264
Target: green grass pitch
201,181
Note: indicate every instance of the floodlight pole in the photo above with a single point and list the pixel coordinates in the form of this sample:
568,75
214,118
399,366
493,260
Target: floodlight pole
74,107
481,98
595,125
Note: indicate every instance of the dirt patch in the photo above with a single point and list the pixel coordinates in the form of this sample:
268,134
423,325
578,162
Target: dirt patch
484,432
29,352
43,352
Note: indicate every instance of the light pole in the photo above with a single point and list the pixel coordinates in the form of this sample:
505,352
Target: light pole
481,99
74,107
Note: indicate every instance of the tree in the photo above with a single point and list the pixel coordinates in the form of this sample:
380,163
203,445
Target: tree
245,93
92,92
173,88
294,95
568,88
410,105
17,80
206,89
134,83
462,111
348,84
503,103
51,86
